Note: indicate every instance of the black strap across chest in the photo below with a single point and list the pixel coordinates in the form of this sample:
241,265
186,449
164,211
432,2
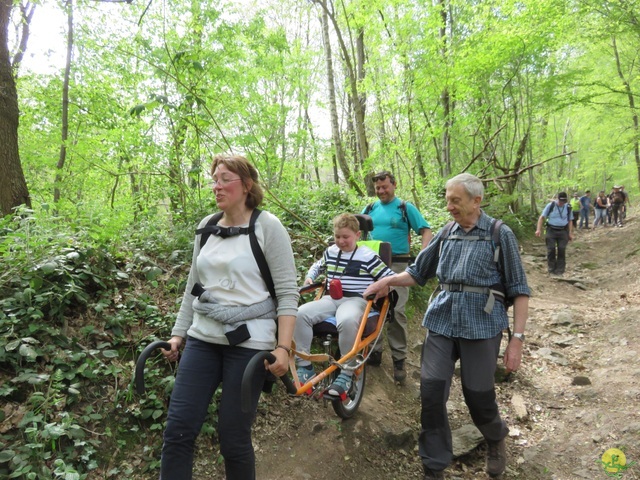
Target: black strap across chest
212,228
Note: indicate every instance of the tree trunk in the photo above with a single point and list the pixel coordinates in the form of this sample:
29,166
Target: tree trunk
65,105
359,113
13,186
445,96
335,127
360,110
632,107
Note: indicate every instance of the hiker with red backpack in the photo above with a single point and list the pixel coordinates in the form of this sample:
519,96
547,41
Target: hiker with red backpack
559,232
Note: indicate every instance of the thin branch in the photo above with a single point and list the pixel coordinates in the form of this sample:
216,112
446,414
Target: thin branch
26,13
484,148
146,9
278,202
528,167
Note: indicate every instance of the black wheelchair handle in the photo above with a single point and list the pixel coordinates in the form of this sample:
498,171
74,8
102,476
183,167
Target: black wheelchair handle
146,353
247,379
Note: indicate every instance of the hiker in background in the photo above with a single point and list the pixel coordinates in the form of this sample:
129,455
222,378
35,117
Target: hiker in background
465,322
625,205
559,232
610,207
575,209
585,209
601,205
617,204
393,220
226,280
349,269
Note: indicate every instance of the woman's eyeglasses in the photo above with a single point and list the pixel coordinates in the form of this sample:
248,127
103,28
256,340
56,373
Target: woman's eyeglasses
223,182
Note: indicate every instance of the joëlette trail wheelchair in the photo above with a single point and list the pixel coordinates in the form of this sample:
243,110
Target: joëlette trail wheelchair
329,359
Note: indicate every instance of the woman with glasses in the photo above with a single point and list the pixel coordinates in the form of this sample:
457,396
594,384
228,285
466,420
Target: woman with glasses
226,317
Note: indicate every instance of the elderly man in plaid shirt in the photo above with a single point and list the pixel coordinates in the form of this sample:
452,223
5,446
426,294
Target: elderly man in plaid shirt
465,321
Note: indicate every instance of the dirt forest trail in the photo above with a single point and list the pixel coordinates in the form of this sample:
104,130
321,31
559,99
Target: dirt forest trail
576,396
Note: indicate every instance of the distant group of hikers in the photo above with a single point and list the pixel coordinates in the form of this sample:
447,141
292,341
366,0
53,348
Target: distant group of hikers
608,209
561,219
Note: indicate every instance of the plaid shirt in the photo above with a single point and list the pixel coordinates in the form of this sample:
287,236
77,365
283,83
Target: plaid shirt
461,314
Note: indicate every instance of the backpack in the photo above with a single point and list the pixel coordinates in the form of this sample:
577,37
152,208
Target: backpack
403,208
498,256
617,197
553,205
212,228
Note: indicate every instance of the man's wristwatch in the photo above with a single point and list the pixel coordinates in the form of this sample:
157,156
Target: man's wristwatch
519,336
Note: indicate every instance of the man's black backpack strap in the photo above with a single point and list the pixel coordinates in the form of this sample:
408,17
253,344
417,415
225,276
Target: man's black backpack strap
553,205
498,258
212,228
402,207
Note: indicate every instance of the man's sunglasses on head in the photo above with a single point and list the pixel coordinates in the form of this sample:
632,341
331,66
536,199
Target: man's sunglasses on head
379,177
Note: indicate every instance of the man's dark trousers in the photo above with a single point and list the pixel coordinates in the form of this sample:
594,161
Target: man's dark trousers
557,239
478,360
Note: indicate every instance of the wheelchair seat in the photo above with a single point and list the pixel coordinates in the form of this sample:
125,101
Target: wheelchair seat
328,327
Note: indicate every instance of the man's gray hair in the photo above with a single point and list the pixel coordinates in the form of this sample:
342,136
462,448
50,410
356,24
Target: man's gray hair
472,184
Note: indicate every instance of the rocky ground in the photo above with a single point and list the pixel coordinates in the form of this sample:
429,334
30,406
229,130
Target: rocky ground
575,397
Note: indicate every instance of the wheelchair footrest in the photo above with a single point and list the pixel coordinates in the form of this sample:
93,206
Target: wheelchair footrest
342,397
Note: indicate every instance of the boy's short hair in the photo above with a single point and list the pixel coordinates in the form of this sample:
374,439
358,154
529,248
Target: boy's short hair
346,220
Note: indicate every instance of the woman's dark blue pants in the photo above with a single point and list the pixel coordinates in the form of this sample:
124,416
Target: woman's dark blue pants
203,367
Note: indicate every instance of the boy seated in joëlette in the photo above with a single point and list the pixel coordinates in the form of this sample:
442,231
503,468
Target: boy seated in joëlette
349,269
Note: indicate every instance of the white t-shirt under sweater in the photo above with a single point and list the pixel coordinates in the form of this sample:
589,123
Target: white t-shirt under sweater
227,268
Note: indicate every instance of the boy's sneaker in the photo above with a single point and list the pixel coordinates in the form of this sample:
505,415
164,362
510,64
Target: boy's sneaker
305,373
340,386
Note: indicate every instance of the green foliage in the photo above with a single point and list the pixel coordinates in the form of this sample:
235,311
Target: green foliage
69,319
82,290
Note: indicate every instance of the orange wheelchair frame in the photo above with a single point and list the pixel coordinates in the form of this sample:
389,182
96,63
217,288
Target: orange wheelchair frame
354,360
369,333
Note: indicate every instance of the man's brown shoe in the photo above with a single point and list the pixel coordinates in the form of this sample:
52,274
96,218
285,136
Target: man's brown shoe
433,475
399,373
496,458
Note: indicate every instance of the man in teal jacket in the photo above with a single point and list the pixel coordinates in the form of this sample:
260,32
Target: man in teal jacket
393,220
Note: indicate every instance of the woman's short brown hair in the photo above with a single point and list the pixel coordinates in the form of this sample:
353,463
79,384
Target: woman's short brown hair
247,173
